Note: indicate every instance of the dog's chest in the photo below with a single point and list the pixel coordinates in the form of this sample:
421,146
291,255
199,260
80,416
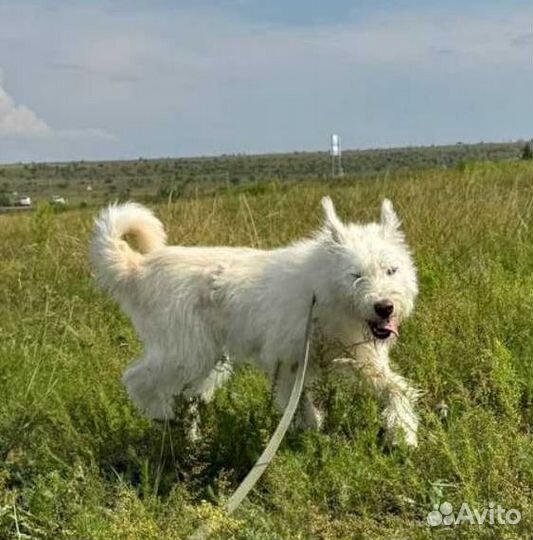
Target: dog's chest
326,348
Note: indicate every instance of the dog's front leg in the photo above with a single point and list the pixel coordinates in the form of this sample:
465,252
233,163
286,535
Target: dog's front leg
308,416
399,396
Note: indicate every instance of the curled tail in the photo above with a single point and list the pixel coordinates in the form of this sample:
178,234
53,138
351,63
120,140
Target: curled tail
112,258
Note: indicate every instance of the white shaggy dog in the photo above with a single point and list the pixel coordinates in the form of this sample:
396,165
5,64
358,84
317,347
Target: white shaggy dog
193,305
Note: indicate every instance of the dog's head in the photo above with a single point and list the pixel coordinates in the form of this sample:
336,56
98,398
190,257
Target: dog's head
371,270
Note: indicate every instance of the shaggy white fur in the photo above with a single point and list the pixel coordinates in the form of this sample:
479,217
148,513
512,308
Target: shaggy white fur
193,305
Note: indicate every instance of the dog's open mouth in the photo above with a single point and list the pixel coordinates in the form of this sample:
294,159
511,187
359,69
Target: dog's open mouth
383,329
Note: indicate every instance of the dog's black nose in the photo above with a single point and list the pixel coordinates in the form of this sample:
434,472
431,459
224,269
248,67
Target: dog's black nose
384,308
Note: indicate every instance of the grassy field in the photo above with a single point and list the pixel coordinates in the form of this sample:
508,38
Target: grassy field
78,462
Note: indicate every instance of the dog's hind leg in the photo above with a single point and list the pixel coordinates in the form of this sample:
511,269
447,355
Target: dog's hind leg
204,390
173,365
206,387
152,383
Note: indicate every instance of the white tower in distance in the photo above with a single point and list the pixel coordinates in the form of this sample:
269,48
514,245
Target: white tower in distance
336,156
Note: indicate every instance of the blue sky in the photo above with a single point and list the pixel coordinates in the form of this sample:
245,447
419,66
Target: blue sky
117,79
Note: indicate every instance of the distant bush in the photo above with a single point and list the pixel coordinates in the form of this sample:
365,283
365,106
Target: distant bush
5,199
527,152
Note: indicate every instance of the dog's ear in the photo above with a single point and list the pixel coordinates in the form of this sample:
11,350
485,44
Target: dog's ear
332,222
389,219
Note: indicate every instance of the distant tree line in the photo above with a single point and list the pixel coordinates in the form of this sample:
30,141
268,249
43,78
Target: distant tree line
170,178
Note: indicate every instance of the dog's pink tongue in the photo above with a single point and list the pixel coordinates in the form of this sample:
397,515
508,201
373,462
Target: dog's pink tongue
392,327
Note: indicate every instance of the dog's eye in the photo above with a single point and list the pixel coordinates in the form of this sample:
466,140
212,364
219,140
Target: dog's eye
392,270
355,276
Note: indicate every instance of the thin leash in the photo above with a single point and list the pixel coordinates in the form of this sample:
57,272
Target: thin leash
251,479
269,452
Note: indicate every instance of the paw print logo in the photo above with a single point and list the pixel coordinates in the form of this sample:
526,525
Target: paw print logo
441,515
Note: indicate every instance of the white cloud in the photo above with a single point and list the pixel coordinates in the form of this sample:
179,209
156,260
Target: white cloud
18,120
25,136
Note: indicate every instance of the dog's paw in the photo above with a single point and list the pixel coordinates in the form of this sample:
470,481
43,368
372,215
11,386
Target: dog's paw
410,437
398,437
402,436
310,419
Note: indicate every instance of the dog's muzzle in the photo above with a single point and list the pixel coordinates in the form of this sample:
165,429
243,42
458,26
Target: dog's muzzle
386,325
384,329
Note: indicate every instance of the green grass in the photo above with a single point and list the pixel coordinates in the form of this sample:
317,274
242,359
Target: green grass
78,462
